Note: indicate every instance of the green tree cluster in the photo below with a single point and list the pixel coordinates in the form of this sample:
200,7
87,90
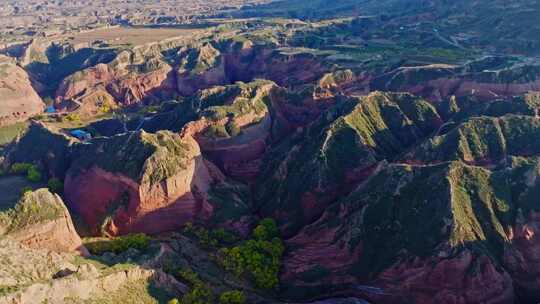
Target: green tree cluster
120,244
199,293
55,185
232,297
31,171
259,258
210,238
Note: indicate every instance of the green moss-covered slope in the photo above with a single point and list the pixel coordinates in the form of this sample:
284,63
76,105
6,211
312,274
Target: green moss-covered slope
142,156
340,148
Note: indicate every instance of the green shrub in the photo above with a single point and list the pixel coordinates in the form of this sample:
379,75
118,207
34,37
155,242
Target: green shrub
120,244
266,230
29,211
216,131
105,108
149,110
258,258
33,175
173,301
72,117
20,168
31,171
232,297
199,293
25,189
210,238
223,236
55,185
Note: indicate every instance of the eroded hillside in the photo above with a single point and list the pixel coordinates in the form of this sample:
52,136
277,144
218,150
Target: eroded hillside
353,152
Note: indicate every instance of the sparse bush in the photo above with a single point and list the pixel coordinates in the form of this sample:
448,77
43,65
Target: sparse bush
31,171
26,189
232,297
20,168
105,108
149,110
72,117
216,131
199,293
224,236
266,230
120,244
55,185
33,175
210,238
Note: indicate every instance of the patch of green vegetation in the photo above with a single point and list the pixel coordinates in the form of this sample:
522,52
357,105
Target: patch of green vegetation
232,297
9,133
210,238
72,117
34,175
199,292
478,203
25,189
55,185
258,258
148,158
7,289
249,100
20,168
203,58
353,136
216,131
117,245
481,139
31,172
447,53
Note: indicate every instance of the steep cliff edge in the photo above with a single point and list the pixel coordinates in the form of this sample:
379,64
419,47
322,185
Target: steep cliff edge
41,220
141,182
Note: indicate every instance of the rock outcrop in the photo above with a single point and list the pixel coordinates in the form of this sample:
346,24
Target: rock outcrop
18,99
37,275
124,81
41,220
200,67
140,182
41,145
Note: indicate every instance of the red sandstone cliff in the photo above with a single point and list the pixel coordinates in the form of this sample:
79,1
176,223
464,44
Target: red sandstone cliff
170,191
